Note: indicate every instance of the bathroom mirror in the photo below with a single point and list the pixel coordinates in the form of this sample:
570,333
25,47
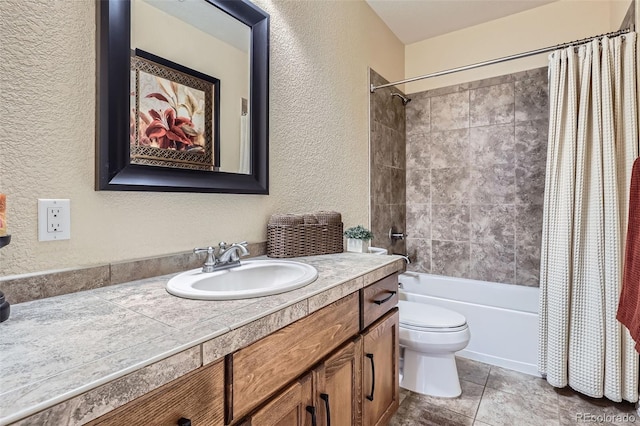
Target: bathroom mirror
182,96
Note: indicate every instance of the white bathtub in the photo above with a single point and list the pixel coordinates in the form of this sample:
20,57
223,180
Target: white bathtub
502,318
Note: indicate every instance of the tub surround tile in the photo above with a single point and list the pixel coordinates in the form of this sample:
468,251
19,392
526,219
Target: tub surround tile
440,91
47,358
492,185
492,145
418,113
529,224
105,398
418,186
419,220
493,223
419,251
450,111
531,99
418,151
531,157
381,185
450,258
450,185
380,223
492,262
527,264
487,144
492,105
398,187
505,409
450,222
449,148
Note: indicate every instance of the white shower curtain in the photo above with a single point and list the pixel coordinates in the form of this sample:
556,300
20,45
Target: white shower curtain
593,141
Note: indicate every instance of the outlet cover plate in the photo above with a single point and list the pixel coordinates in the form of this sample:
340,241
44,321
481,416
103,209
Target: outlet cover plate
54,219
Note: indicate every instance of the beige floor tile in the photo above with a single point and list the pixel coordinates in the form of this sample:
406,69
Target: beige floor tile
472,371
518,383
466,404
479,423
576,408
506,409
414,412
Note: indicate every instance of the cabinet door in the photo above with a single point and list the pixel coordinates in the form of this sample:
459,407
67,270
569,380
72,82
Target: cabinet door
339,387
380,370
292,407
198,397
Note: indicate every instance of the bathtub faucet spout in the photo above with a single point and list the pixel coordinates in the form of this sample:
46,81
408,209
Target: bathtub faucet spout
404,256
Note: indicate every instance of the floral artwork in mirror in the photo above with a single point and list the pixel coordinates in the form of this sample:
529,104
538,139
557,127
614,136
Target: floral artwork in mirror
174,115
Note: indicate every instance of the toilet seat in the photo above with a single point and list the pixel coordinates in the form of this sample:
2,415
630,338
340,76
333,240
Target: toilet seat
430,318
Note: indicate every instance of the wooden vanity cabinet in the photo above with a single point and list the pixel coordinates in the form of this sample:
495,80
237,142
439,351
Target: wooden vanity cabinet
293,407
338,395
380,382
197,397
338,366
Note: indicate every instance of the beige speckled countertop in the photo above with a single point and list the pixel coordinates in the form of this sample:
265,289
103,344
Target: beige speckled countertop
72,358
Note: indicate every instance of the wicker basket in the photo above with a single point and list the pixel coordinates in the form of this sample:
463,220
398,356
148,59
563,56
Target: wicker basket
304,235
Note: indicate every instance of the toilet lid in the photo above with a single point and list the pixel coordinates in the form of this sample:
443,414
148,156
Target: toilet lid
428,316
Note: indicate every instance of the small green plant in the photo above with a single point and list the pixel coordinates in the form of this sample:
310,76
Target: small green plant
359,233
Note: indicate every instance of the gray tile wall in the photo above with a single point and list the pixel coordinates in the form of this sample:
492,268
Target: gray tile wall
475,160
387,147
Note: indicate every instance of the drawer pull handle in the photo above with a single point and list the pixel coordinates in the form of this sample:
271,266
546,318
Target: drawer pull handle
184,422
312,410
386,299
373,377
325,398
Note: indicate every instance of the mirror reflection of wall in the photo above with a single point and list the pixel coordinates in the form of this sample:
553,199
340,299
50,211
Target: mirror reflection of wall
199,36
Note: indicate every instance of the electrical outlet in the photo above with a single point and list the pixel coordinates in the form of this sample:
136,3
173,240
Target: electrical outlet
54,219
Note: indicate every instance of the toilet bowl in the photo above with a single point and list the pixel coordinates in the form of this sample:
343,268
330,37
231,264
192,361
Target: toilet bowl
430,336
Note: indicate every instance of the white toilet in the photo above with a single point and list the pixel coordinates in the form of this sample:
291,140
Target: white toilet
430,336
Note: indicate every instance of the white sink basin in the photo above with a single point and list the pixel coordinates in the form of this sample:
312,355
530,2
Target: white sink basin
254,278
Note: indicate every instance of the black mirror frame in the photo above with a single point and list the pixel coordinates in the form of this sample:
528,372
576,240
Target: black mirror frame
113,169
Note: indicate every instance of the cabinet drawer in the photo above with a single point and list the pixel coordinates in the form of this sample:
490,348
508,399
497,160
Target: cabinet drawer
198,396
377,299
265,366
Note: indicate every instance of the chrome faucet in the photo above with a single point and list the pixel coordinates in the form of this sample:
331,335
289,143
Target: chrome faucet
404,256
228,257
232,254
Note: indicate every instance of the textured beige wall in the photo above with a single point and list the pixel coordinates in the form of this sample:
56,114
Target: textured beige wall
547,25
320,52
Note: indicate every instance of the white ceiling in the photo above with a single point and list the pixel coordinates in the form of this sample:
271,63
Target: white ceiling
417,20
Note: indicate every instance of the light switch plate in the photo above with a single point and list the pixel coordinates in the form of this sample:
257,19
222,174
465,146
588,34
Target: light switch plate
54,219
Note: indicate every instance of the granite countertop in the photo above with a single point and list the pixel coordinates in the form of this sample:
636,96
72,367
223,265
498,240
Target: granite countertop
74,357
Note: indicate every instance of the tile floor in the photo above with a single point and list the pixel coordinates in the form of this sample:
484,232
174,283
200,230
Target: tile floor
494,396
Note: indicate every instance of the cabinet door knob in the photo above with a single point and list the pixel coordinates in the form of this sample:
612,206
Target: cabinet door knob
312,410
325,398
184,422
373,377
380,302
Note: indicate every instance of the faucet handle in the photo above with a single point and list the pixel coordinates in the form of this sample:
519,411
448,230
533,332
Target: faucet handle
209,250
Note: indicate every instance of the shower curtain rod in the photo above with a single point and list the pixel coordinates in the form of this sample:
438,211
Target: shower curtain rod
503,59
